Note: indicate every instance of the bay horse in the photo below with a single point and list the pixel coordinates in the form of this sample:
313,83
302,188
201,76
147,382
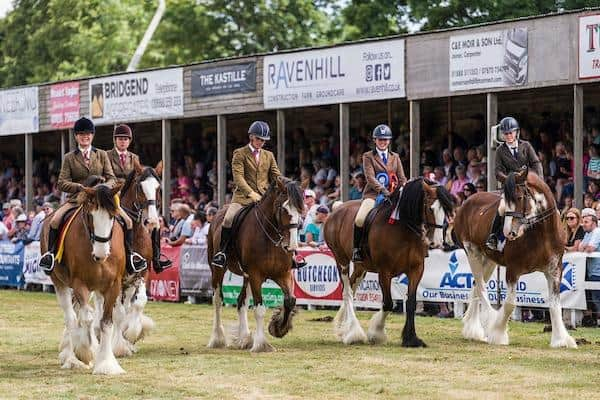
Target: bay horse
535,242
391,250
93,261
260,250
140,199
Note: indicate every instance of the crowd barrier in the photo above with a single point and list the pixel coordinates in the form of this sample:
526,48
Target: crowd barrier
447,278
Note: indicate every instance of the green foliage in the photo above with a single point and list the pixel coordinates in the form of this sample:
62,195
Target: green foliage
373,18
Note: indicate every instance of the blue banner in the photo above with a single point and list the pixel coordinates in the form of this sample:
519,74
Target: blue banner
11,263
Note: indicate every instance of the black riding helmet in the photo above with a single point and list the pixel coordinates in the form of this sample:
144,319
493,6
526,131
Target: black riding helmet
83,125
260,129
382,132
509,124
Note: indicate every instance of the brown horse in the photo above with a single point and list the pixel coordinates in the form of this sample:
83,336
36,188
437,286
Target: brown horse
536,242
93,261
140,198
391,250
259,251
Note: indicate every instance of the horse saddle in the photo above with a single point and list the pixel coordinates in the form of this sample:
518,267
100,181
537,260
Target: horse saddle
366,228
239,218
63,228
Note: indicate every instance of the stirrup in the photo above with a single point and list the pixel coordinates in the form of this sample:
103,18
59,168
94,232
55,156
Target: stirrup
47,268
219,260
356,255
492,242
298,261
137,262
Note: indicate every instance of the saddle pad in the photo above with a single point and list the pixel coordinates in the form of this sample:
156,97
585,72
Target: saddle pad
63,233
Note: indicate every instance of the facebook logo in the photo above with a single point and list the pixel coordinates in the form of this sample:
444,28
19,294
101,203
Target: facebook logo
378,72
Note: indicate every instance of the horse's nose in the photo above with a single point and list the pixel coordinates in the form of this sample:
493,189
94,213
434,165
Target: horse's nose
96,259
512,235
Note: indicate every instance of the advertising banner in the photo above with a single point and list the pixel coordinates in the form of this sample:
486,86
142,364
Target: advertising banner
64,105
194,271
319,282
232,286
137,96
488,59
359,72
165,286
589,46
31,269
11,263
227,79
19,111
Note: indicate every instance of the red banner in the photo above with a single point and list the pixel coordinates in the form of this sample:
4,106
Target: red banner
320,279
165,286
64,104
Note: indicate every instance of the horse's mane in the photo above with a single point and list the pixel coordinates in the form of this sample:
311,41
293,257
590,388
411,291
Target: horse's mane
295,195
106,199
541,186
410,205
510,188
445,198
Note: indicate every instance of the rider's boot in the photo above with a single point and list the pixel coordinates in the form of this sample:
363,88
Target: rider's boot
493,238
356,252
134,261
47,259
158,264
220,259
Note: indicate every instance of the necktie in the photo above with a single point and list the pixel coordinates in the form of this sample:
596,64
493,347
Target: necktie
256,156
514,151
86,157
122,157
384,157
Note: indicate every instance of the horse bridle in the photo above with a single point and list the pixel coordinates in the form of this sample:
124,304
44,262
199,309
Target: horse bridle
93,237
279,229
528,222
137,212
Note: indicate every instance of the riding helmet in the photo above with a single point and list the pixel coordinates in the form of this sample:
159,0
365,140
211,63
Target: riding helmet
260,129
122,131
508,124
84,125
382,132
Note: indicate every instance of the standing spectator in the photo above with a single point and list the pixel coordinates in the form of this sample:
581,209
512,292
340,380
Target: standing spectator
574,229
36,223
310,207
562,168
589,244
314,230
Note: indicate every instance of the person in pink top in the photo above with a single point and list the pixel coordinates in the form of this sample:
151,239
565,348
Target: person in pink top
459,182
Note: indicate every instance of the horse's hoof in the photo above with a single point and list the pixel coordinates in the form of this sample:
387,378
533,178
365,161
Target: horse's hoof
567,342
216,343
377,337
415,342
71,362
262,348
108,367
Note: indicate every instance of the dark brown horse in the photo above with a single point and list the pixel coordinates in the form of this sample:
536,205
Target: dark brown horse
536,242
140,198
260,250
391,250
93,261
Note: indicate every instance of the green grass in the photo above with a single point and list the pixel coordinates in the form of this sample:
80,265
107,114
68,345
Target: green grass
174,363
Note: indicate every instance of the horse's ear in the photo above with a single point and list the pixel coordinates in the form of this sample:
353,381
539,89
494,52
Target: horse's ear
522,175
159,168
116,188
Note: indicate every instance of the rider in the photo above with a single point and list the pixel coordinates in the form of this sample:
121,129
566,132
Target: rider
254,169
122,161
78,166
384,172
511,156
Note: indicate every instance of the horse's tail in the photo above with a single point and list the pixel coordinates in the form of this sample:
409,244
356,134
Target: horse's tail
336,204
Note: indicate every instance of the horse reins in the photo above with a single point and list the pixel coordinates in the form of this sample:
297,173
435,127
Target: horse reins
93,237
278,241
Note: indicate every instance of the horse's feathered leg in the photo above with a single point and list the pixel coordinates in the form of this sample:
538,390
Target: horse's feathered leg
106,363
376,332
67,356
352,331
342,314
260,341
409,335
560,336
472,326
497,329
85,342
217,337
281,321
243,337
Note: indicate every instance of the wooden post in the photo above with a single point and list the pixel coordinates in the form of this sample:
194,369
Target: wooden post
491,118
166,175
29,173
281,141
578,188
345,150
221,159
415,137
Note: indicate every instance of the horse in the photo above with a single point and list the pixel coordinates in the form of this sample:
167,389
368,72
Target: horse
391,250
140,198
535,242
93,261
259,251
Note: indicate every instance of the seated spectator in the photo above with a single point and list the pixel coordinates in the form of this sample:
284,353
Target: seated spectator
36,223
314,230
562,170
200,227
459,182
439,176
325,176
309,213
3,231
593,170
591,243
481,185
574,229
467,191
449,164
568,204
21,230
594,189
358,185
183,224
588,200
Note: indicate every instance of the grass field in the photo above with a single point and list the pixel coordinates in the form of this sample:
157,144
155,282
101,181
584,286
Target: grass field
174,363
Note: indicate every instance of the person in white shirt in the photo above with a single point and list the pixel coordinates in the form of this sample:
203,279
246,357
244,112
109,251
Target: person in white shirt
3,231
200,226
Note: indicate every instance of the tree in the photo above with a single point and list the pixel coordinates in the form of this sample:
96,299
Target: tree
373,18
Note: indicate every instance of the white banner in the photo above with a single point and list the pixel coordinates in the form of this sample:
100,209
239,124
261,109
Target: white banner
138,96
448,278
589,46
488,59
19,111
31,269
360,72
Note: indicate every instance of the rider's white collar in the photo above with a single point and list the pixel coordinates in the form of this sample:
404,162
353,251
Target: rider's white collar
252,148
